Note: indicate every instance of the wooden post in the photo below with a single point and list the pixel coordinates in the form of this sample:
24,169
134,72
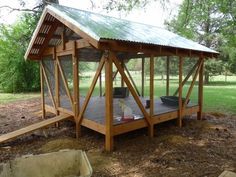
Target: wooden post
76,89
200,91
42,91
100,84
122,65
109,103
187,77
180,91
57,97
167,75
192,83
151,133
143,62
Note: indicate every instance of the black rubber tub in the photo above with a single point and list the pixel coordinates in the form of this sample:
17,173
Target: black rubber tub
172,100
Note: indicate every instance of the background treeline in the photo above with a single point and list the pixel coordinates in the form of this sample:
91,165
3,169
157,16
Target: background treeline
209,22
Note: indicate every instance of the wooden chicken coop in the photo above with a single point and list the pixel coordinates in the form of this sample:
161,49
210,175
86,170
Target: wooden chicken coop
65,37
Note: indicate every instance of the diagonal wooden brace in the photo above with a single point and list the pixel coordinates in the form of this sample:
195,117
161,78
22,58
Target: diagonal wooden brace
132,90
193,82
187,77
89,94
65,83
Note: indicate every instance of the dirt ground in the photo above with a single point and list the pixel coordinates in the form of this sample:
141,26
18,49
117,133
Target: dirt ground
199,148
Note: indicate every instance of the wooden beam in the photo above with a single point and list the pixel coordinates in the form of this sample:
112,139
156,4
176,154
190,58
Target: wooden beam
156,50
91,88
142,92
49,36
57,86
122,65
192,84
55,36
133,92
151,133
63,38
109,103
75,81
65,83
200,91
80,43
132,80
42,91
151,94
187,77
33,127
73,27
167,75
180,91
76,88
100,84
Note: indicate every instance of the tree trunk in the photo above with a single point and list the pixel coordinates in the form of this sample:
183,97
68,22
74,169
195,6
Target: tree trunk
206,78
226,74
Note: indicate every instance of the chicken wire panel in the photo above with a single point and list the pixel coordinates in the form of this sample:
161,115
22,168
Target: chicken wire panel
49,67
67,68
188,64
126,109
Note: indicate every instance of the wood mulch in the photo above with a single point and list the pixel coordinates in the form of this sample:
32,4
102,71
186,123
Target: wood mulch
199,148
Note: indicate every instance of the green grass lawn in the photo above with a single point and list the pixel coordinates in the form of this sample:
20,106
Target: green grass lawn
9,97
219,96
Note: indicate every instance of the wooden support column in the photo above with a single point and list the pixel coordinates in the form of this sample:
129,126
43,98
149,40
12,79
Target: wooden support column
167,75
100,84
192,83
200,90
109,103
142,92
187,77
76,89
57,95
151,133
42,91
121,79
180,91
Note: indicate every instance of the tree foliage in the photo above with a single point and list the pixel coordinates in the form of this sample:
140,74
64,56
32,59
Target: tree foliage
16,74
211,23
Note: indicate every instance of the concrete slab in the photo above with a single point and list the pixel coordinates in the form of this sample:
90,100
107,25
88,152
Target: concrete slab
66,163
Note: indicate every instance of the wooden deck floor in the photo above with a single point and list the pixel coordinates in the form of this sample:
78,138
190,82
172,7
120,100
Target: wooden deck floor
96,108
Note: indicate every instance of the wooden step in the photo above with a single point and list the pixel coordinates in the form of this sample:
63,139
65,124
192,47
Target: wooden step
33,127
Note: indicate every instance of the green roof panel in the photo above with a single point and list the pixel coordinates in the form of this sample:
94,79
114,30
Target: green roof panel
105,27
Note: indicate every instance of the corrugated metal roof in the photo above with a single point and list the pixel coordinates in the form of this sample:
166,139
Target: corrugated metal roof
105,27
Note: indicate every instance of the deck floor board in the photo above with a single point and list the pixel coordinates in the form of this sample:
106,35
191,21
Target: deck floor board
96,108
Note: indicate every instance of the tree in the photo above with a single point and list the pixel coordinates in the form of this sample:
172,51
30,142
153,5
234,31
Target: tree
205,22
16,74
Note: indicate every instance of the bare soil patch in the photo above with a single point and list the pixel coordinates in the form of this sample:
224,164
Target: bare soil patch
199,148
